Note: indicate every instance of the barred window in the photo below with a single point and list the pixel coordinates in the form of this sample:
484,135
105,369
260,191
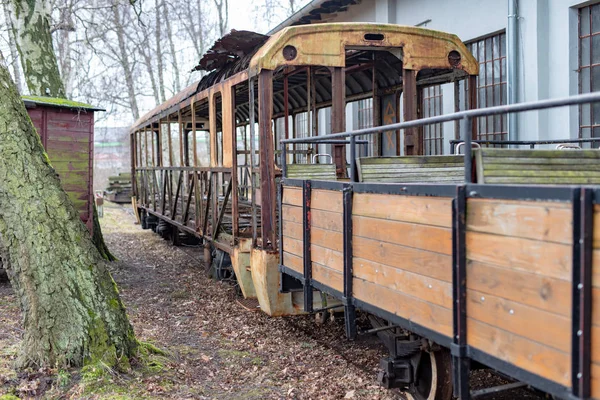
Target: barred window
490,52
433,137
589,69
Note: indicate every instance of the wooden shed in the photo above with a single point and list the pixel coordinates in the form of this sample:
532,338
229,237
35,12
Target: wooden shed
67,132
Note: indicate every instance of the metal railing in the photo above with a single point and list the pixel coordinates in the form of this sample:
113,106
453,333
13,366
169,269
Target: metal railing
465,132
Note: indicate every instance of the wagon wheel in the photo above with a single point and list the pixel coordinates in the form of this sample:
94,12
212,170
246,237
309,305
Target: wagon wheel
434,377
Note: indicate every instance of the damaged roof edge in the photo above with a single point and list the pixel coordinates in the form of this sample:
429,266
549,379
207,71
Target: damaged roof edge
302,13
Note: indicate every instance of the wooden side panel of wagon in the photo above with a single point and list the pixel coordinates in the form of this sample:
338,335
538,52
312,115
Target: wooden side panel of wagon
402,257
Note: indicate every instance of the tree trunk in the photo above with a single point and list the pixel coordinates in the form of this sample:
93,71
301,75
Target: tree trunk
12,45
34,42
159,52
72,313
172,47
124,60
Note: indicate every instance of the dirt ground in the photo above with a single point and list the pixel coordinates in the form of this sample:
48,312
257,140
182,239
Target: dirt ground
216,349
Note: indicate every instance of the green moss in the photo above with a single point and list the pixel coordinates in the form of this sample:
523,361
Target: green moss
55,101
8,397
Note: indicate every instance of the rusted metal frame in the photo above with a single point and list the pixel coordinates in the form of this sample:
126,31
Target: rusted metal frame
197,199
360,67
306,246
293,135
169,142
133,160
252,134
194,127
581,336
209,179
188,169
314,130
170,186
176,199
181,146
163,200
186,209
349,308
267,158
338,116
201,188
235,218
412,137
376,108
472,93
397,94
459,346
309,116
215,202
222,211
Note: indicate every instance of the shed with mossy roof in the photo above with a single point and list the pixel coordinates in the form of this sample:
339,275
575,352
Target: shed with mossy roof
66,129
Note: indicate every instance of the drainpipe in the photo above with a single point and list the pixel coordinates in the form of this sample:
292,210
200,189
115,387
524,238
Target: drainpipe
512,63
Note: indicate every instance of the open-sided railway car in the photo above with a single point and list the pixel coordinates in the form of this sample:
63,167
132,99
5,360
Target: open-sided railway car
487,259
206,162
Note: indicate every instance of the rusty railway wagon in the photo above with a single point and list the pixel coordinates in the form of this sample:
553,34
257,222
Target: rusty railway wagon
458,270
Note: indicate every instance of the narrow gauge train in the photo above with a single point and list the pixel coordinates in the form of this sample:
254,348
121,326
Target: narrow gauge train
412,251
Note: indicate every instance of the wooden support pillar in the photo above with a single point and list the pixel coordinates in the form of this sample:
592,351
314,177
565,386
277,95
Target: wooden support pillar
338,117
267,158
413,141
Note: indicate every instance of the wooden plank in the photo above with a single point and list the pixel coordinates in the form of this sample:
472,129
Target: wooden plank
544,258
326,200
525,219
422,262
457,159
536,358
326,238
534,324
422,287
539,153
328,277
535,173
292,196
542,180
491,162
496,168
319,218
293,261
292,230
597,228
420,312
291,214
419,179
327,257
427,237
421,210
540,291
292,246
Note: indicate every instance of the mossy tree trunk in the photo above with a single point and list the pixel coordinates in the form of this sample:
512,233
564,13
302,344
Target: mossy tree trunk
72,313
34,42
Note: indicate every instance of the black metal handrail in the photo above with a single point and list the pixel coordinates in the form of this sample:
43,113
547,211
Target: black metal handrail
467,116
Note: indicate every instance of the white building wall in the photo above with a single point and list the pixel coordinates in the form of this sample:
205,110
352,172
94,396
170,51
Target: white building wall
547,48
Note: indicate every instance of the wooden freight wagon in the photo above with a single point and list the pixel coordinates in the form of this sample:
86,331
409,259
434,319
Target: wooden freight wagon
67,132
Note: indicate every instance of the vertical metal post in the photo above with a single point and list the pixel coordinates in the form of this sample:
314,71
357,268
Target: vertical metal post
267,160
460,360
306,251
252,134
284,160
280,209
353,171
583,225
349,309
466,134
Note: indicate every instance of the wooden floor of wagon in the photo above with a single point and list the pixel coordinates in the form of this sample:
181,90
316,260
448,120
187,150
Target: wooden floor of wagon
217,349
